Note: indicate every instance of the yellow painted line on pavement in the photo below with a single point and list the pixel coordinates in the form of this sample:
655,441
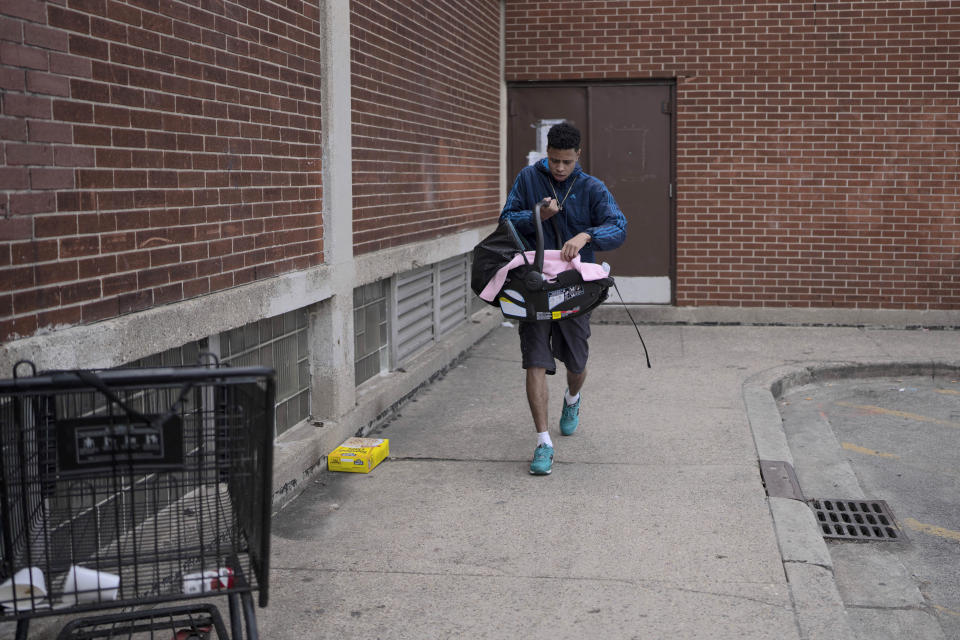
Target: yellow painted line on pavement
950,392
899,414
949,612
849,446
932,529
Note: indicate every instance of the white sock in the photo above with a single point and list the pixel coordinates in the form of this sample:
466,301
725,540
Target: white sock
570,400
544,438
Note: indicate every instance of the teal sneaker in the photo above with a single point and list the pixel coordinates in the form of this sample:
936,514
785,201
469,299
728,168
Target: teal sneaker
570,417
542,461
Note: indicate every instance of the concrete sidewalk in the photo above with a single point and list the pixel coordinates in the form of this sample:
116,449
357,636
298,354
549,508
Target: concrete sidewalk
654,524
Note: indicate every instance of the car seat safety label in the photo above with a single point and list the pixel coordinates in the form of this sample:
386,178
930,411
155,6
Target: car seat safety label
556,315
560,296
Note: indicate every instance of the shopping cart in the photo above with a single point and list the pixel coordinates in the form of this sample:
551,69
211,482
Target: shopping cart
131,488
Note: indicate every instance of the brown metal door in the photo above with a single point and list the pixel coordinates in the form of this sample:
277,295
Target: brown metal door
627,143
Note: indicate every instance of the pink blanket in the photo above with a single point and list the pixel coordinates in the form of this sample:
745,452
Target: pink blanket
552,265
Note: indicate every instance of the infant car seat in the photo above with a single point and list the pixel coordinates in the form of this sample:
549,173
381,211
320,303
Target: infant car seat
527,294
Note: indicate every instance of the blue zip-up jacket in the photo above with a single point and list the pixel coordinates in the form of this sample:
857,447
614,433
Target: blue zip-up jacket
589,207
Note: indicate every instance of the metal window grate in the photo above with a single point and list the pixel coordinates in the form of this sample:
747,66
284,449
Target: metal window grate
452,293
414,310
427,303
863,520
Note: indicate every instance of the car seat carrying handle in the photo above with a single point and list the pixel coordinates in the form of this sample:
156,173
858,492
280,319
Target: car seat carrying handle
538,226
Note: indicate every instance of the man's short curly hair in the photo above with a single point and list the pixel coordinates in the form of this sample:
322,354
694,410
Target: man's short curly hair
563,136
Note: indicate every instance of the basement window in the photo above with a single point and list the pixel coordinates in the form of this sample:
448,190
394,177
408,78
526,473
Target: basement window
370,327
280,343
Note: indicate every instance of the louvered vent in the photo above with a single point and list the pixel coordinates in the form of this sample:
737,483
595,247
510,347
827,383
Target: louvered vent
452,298
414,311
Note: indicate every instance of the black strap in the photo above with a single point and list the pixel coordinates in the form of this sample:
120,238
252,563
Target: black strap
634,324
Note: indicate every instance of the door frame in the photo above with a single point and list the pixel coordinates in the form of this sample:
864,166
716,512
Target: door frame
671,83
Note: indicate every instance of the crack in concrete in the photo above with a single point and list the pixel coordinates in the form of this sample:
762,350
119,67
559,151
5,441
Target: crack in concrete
646,584
872,607
721,465
869,336
809,564
495,358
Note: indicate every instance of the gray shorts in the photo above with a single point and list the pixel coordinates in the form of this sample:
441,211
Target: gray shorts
565,340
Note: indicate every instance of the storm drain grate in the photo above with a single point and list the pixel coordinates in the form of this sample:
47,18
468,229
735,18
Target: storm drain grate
863,520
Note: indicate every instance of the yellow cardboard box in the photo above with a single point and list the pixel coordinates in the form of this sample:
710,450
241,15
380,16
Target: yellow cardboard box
359,455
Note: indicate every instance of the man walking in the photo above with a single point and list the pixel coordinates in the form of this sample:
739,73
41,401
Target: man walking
581,216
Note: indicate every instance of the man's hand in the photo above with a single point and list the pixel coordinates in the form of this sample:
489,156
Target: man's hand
549,207
572,247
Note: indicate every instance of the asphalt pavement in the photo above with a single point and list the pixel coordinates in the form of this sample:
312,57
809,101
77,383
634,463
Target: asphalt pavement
654,524
898,435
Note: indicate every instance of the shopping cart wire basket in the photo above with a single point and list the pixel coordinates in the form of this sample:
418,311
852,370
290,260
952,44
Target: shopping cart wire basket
133,487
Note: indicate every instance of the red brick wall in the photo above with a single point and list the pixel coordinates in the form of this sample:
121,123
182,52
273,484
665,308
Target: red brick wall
817,142
426,109
152,151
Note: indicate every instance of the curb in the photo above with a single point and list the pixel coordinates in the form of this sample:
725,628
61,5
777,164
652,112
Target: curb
818,605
